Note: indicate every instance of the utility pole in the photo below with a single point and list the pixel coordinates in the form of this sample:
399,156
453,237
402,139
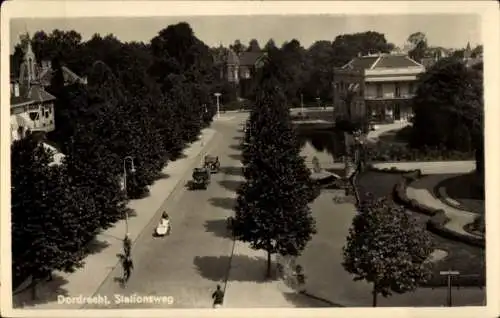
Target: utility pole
217,95
449,274
302,103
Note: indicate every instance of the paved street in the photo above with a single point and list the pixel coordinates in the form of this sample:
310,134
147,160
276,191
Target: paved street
189,263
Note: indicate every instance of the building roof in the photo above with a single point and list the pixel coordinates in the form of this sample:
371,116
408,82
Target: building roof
232,57
32,94
249,58
244,59
381,61
362,62
69,76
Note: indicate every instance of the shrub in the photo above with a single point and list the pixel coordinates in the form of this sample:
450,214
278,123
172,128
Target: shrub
437,226
387,152
400,193
439,219
479,224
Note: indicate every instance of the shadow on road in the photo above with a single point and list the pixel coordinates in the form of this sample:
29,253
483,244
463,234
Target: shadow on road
232,185
96,246
238,157
308,300
224,203
46,292
238,138
236,147
243,268
163,175
218,227
232,171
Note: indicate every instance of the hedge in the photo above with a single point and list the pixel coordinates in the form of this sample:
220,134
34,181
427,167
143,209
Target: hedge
436,224
394,170
386,152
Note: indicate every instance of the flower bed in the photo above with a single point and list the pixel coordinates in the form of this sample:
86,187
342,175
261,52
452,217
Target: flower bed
438,219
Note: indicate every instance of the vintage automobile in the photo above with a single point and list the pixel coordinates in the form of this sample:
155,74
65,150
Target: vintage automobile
201,178
212,163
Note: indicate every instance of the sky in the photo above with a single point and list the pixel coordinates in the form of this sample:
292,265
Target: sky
450,31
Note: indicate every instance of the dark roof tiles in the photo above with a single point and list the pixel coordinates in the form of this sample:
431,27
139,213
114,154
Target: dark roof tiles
381,61
32,94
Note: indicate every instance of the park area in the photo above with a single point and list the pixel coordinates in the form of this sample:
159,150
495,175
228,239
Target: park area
322,258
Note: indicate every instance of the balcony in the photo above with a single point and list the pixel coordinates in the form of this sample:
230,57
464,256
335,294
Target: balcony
389,96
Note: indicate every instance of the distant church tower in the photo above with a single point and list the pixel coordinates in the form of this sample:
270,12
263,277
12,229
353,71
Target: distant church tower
28,72
468,51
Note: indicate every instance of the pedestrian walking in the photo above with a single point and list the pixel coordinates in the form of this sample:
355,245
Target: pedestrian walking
218,297
128,266
301,278
127,245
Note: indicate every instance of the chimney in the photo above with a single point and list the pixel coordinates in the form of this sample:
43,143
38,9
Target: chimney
16,89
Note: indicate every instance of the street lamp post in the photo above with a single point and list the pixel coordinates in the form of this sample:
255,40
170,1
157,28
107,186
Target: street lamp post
132,169
217,95
302,103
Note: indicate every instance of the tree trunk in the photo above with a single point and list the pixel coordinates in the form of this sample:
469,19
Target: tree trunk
374,297
268,264
34,289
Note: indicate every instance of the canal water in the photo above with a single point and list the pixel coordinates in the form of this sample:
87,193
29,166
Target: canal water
329,146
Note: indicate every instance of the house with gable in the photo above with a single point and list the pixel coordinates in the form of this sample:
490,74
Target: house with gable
381,87
31,106
239,69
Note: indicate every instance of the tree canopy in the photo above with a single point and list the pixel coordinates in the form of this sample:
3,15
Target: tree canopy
272,211
143,100
386,248
448,106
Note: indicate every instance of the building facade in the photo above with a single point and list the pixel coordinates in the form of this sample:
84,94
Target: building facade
384,84
31,106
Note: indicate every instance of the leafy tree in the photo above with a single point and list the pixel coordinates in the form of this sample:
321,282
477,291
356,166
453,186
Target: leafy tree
293,60
272,211
387,249
448,107
270,45
418,41
238,47
320,62
347,46
253,46
46,228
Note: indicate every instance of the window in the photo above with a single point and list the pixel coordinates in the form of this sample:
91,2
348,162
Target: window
34,116
410,88
46,114
379,90
397,90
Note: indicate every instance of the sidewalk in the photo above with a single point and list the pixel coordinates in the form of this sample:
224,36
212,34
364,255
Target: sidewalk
382,129
98,266
247,286
421,190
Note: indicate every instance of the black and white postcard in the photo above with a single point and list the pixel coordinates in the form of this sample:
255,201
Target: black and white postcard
240,158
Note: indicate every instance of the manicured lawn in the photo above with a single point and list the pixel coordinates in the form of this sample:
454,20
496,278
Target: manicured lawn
464,189
468,260
396,136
